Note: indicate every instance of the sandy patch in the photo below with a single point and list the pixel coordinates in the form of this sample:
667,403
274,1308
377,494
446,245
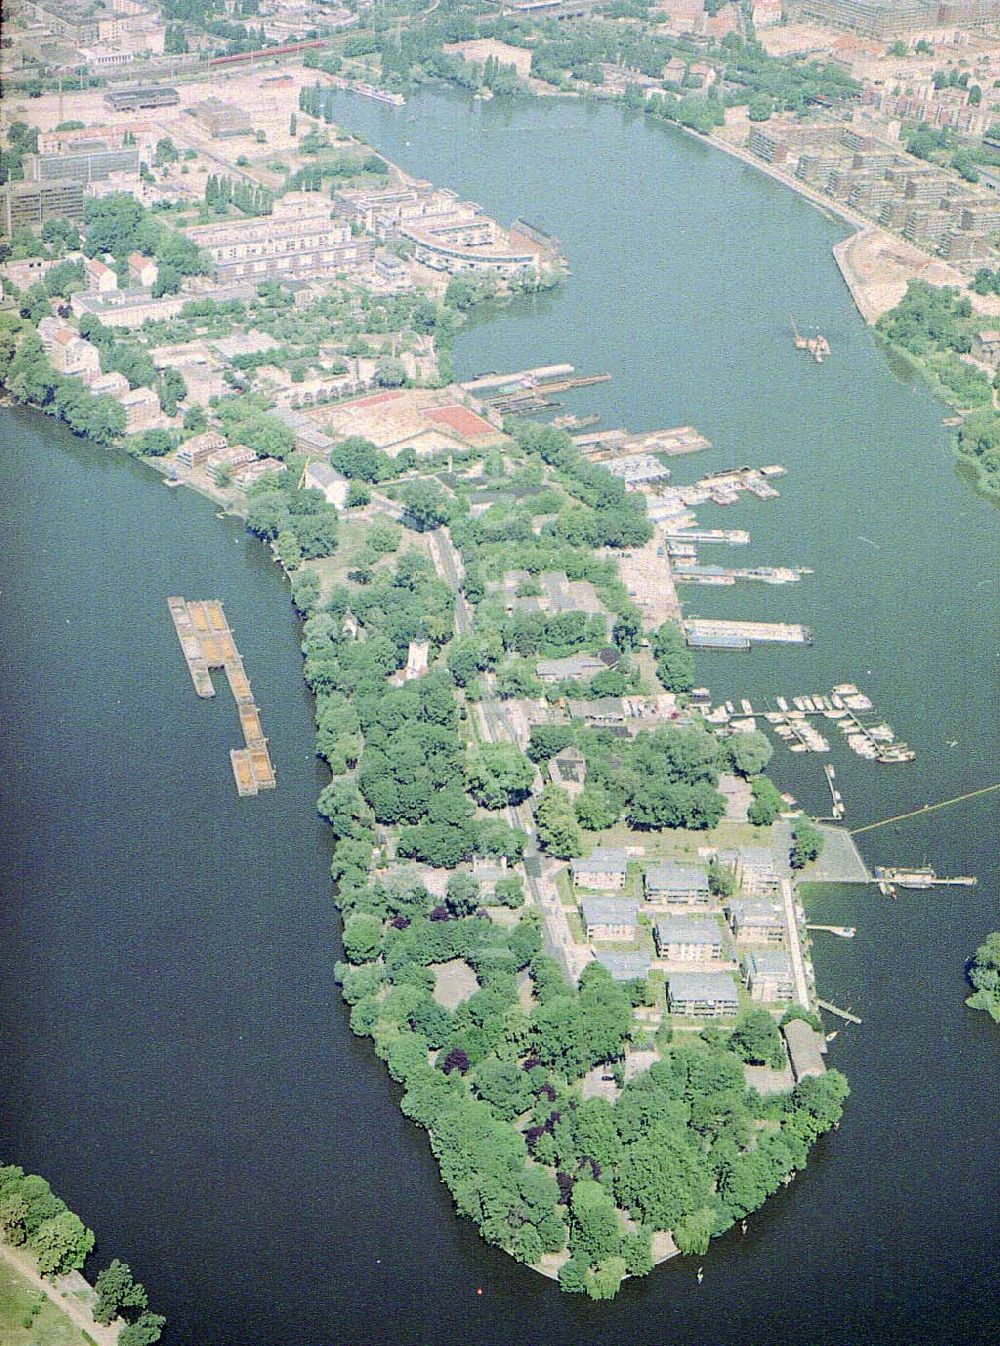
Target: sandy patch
454,982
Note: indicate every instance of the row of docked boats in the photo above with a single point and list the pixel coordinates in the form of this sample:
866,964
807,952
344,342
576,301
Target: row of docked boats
791,723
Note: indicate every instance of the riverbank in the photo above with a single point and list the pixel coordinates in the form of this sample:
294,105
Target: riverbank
67,1294
876,265
404,1267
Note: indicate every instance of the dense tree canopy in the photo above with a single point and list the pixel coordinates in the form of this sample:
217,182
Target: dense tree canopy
984,974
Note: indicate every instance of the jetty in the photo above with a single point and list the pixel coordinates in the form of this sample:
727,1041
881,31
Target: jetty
206,643
921,878
735,537
837,798
692,573
844,931
846,1015
529,390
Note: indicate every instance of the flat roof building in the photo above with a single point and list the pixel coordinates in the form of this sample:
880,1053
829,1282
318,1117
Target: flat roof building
702,995
299,239
769,975
32,203
194,451
145,95
873,18
323,477
756,871
625,966
575,667
670,882
605,867
805,1049
610,918
92,165
220,119
756,922
688,939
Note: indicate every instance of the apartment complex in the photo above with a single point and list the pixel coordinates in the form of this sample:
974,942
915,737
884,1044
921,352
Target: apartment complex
32,203
300,239
926,204
103,32
68,353
447,234
91,162
872,18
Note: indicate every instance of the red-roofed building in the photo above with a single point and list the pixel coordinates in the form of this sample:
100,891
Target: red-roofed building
101,278
141,270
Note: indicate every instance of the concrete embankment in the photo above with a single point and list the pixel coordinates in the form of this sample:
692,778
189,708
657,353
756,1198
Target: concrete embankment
876,265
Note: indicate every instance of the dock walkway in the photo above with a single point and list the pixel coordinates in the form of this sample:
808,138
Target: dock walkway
714,632
207,642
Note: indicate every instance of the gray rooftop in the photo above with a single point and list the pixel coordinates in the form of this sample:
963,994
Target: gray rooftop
602,860
598,708
625,966
717,986
325,474
805,1047
761,856
770,963
609,911
574,666
756,913
667,875
687,930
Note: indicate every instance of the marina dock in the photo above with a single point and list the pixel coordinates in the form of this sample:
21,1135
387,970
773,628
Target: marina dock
602,444
207,642
789,717
736,537
921,878
692,573
716,634
529,390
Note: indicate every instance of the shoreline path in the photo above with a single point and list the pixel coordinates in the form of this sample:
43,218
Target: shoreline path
78,1315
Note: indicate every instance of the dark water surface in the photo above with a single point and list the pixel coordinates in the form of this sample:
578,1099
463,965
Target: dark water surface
175,1056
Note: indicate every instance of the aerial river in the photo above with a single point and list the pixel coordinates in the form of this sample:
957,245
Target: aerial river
175,1056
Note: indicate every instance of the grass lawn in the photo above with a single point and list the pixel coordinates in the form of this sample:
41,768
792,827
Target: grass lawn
681,844
575,923
564,887
48,1327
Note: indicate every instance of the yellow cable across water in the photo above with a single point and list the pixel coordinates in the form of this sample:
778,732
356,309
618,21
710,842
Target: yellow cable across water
927,808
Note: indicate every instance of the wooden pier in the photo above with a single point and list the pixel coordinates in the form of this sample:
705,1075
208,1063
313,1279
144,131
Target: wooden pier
207,643
846,1015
